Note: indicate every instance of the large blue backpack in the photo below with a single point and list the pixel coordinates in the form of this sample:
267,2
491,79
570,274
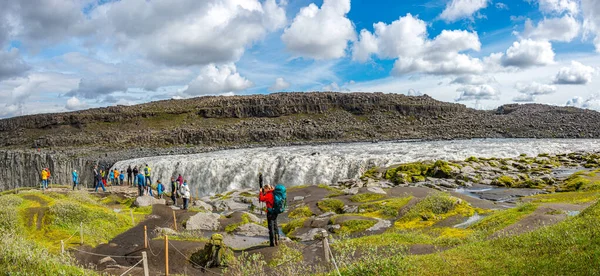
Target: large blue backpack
279,200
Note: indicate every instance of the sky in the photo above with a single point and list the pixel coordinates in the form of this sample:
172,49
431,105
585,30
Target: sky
65,55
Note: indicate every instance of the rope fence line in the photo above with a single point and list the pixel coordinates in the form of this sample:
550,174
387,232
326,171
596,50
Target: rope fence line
76,232
102,255
203,267
150,247
129,269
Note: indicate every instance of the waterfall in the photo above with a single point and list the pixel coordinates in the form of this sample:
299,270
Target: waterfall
220,171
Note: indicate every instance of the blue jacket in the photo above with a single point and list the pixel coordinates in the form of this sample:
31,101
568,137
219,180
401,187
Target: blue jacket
121,176
75,176
141,180
111,175
160,188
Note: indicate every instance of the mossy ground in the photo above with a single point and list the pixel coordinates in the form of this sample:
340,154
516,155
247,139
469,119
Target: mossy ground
433,208
387,208
331,205
582,181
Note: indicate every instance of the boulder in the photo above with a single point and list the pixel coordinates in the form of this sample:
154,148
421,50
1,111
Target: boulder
143,201
381,224
467,169
251,230
203,205
229,205
335,227
326,215
203,221
350,209
311,234
106,261
164,231
350,191
298,198
319,222
376,190
253,218
350,183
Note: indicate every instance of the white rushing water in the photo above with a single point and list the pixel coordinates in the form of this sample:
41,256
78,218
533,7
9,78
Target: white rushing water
219,171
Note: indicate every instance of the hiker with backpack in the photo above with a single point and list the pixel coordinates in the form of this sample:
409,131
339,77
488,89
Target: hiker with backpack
276,201
75,179
147,175
185,193
160,189
121,178
140,183
45,176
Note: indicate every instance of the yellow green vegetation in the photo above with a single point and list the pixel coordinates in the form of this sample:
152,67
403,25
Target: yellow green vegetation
244,220
370,173
521,181
433,208
331,205
285,254
301,212
564,197
289,227
349,225
501,219
581,181
334,192
366,197
387,208
567,248
415,172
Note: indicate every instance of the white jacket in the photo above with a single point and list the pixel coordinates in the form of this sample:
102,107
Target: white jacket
185,191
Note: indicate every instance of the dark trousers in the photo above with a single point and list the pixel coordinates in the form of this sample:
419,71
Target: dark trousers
74,185
273,228
141,190
174,195
185,203
129,182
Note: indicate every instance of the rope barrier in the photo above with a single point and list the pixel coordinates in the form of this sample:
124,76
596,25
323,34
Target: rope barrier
132,267
76,232
150,247
203,268
102,255
333,259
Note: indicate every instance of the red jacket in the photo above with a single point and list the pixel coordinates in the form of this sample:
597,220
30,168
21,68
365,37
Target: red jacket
267,198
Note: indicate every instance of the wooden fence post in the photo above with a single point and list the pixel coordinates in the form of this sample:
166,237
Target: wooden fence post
81,233
145,263
62,247
326,246
166,255
174,220
145,237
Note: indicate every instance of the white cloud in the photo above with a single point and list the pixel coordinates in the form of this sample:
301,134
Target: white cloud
535,88
524,98
501,6
528,53
406,40
564,29
320,33
412,92
215,80
459,9
558,6
477,93
474,80
591,22
577,73
591,102
188,32
332,87
11,64
280,84
74,103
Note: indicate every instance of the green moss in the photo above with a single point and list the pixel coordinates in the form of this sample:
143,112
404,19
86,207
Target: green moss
366,197
505,181
564,197
385,208
301,212
334,192
472,159
231,227
352,225
581,181
433,208
247,194
331,205
293,225
370,173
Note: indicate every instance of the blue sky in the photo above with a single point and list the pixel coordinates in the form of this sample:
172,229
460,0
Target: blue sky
64,55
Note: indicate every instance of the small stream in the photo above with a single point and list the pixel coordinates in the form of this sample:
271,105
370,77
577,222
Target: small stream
472,220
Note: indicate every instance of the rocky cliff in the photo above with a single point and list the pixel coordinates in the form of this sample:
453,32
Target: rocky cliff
206,123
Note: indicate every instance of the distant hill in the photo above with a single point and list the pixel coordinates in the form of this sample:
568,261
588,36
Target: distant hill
284,118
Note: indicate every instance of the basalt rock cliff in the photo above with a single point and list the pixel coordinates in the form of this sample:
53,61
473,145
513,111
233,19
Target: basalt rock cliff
78,139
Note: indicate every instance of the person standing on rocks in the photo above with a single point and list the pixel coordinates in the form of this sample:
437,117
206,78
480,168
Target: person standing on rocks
111,177
75,179
147,171
185,193
129,176
174,189
180,180
117,175
141,183
44,179
121,178
160,189
266,196
135,173
100,182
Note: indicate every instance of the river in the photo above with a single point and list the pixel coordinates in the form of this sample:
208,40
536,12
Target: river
220,171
